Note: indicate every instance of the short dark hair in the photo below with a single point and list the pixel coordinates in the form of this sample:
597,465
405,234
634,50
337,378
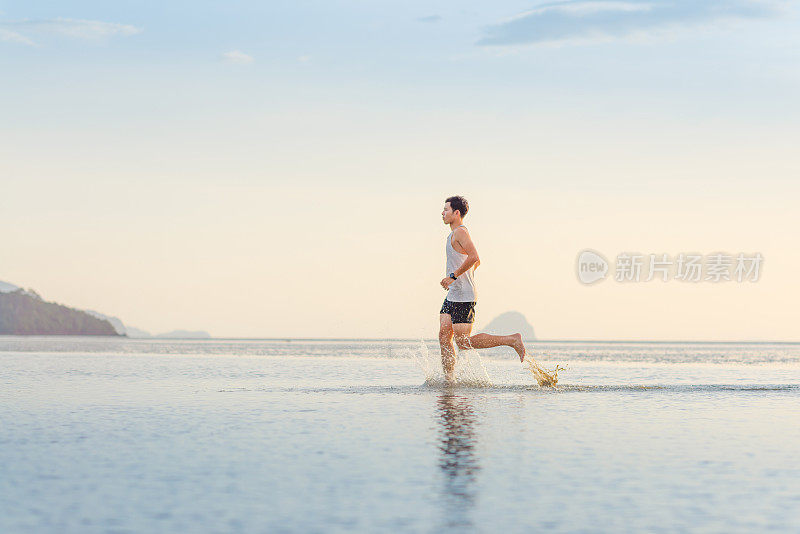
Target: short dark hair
459,203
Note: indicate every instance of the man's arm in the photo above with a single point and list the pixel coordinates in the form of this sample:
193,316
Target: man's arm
462,237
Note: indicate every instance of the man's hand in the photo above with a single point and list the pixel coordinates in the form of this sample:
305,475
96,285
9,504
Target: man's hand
446,282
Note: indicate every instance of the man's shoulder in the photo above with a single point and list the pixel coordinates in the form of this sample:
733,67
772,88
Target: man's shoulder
460,233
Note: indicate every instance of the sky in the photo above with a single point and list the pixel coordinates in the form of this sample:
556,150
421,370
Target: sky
278,169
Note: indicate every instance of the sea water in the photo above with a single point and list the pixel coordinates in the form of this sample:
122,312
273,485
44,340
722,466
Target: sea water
119,435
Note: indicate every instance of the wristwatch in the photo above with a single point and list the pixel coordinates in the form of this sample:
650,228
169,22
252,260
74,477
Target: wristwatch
452,275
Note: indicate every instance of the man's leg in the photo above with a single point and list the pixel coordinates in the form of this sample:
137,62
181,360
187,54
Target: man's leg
446,345
486,341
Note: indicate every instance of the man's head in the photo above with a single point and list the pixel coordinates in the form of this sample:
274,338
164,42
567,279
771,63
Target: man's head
454,208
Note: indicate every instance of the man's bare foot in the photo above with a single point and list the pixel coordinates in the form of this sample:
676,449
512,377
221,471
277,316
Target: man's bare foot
519,346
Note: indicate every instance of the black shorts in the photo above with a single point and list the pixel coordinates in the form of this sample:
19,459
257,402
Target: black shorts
459,312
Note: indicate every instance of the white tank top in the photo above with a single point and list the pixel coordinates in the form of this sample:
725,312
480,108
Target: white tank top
463,289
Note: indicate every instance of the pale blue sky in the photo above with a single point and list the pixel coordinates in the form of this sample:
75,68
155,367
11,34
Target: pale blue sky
696,61
152,123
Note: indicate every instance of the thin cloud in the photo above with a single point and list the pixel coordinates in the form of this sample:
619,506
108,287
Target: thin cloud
74,28
237,57
14,37
430,18
600,20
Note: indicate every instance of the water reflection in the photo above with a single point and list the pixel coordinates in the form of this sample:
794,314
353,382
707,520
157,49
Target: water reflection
458,459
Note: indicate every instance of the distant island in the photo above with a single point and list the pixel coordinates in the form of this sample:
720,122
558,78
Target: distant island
23,312
132,332
508,323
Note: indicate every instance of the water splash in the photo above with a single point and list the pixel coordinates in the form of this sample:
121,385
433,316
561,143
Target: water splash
543,378
469,370
422,358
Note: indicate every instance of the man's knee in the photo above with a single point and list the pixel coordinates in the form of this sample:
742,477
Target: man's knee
463,342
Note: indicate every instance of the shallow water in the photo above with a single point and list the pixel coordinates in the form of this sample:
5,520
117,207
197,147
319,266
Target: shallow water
106,435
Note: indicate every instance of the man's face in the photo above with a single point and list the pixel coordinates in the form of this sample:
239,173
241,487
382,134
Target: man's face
447,213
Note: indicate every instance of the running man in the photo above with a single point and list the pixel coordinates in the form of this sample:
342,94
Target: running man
458,311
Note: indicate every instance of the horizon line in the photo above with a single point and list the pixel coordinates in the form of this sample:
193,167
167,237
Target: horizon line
286,338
